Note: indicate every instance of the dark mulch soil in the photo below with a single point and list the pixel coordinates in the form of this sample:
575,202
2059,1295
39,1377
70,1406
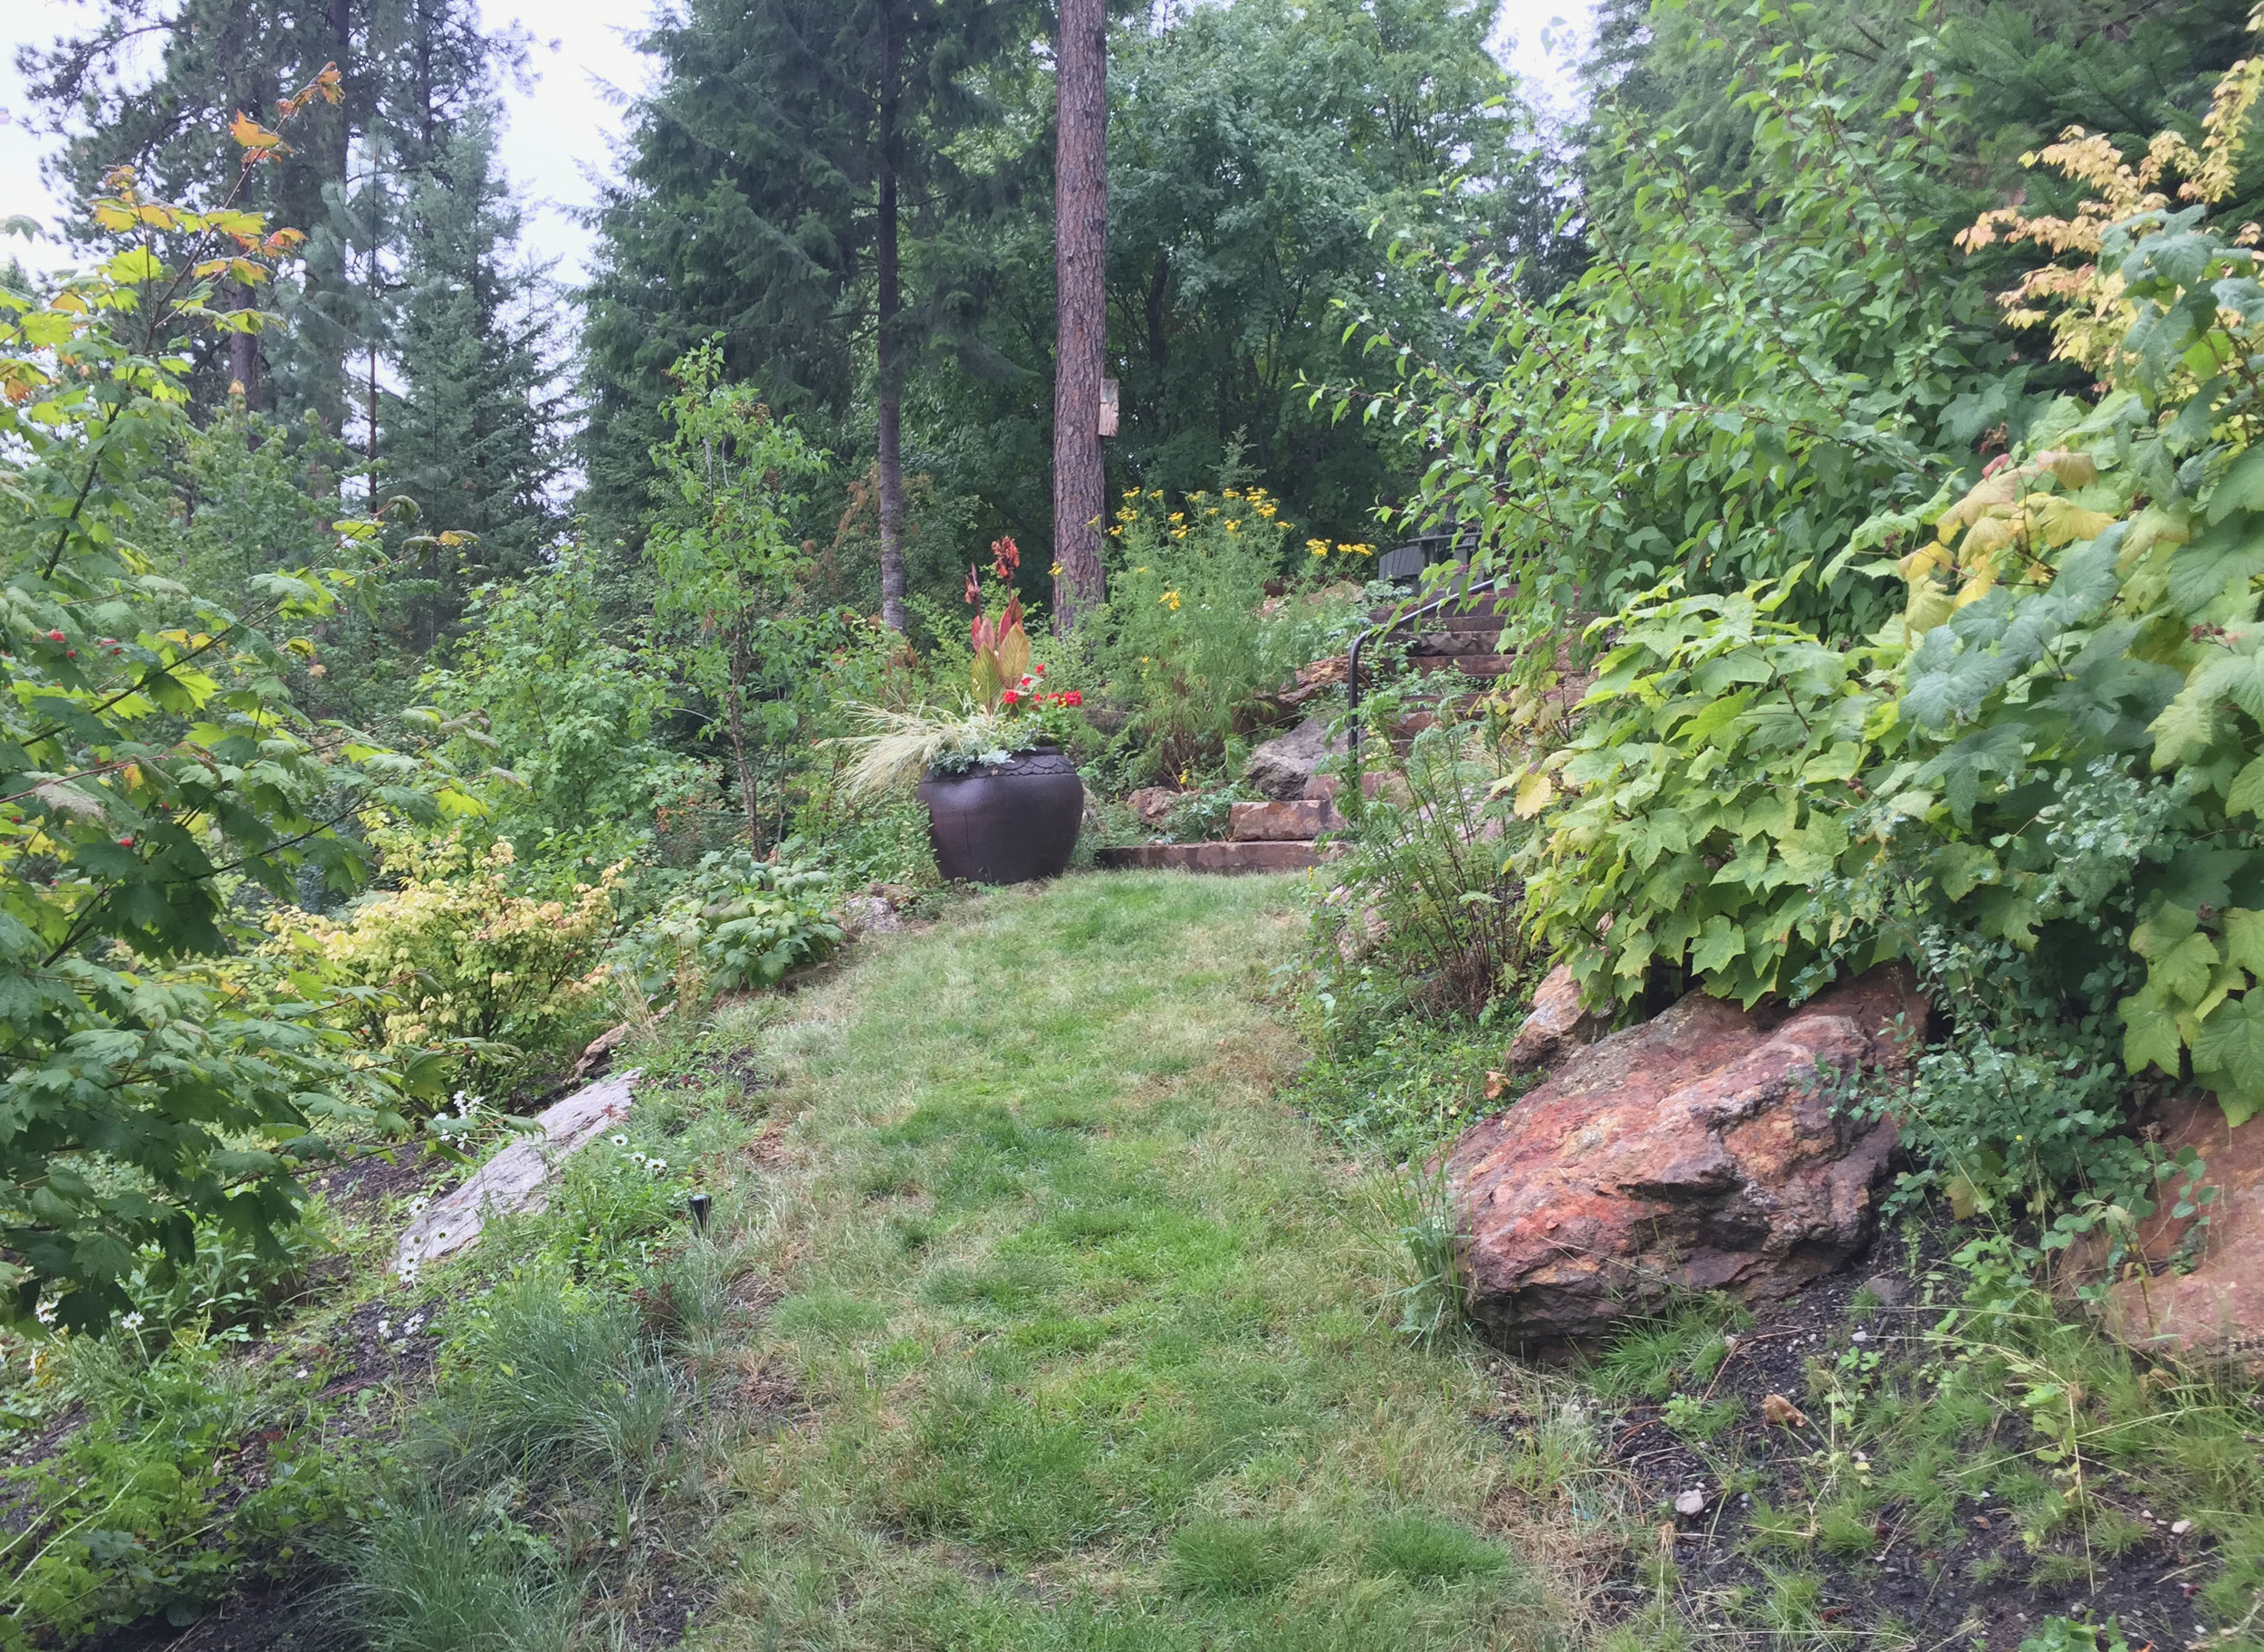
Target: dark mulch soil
360,1185
1978,1587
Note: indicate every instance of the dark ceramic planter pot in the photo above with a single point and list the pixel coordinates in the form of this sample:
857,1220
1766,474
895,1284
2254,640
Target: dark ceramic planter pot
1006,825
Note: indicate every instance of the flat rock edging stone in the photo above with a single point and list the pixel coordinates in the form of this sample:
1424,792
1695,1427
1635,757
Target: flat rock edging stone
1696,1152
1227,857
2209,1304
520,1176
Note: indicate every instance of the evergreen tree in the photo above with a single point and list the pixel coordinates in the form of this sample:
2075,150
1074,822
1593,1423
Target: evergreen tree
408,69
795,153
472,433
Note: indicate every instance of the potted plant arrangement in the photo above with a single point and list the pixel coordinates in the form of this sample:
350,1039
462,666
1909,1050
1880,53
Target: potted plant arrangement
1004,802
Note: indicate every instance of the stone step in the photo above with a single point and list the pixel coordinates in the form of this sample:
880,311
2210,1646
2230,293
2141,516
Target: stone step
1442,645
1222,858
1299,820
1469,664
1478,619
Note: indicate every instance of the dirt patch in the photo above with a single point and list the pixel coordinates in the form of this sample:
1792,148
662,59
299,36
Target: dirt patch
1979,1581
361,1186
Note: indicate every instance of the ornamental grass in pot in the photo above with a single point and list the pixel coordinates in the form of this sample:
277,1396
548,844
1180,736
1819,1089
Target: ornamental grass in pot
1003,802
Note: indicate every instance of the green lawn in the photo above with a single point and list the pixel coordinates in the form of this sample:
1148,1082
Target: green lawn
1091,1333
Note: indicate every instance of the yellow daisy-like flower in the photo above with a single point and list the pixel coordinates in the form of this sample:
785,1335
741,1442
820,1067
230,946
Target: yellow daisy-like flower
1318,547
1155,492
1170,599
1055,571
1228,492
1131,492
1179,532
1179,516
1233,524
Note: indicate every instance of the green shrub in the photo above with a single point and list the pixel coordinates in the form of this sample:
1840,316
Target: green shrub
745,921
145,1507
1190,635
1427,894
2041,788
454,959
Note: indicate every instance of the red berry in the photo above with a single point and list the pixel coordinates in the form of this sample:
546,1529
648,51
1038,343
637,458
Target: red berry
54,636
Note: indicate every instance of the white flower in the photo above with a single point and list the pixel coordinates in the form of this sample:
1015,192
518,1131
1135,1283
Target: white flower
385,1329
301,1373
657,1165
132,1321
45,1311
418,1203
620,1141
638,1158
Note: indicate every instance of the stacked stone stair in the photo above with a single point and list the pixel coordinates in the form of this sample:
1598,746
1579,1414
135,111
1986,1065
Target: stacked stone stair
1267,837
1458,654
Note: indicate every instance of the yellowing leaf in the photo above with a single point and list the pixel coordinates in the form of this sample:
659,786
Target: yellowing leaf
2070,470
1533,794
253,136
2063,522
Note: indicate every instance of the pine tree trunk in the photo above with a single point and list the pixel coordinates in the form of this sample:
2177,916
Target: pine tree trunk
1080,215
736,725
889,390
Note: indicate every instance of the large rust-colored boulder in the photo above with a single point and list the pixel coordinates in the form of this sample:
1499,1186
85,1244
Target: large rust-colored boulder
2217,1309
1696,1152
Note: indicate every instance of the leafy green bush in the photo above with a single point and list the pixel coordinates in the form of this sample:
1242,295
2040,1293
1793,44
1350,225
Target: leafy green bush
560,717
1426,891
745,921
158,780
1747,377
453,958
2054,763
147,1507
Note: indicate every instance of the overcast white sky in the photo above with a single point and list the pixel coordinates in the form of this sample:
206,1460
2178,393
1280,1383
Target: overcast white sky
558,132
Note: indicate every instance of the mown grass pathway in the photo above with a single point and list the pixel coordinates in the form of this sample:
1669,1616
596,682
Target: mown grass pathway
1084,1319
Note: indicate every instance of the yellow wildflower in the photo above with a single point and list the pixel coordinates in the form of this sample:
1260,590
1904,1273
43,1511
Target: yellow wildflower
1228,492
1055,571
1170,599
1179,516
1318,547
1131,492
1232,524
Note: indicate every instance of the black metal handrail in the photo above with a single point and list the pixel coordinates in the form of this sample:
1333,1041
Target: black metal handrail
1352,659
